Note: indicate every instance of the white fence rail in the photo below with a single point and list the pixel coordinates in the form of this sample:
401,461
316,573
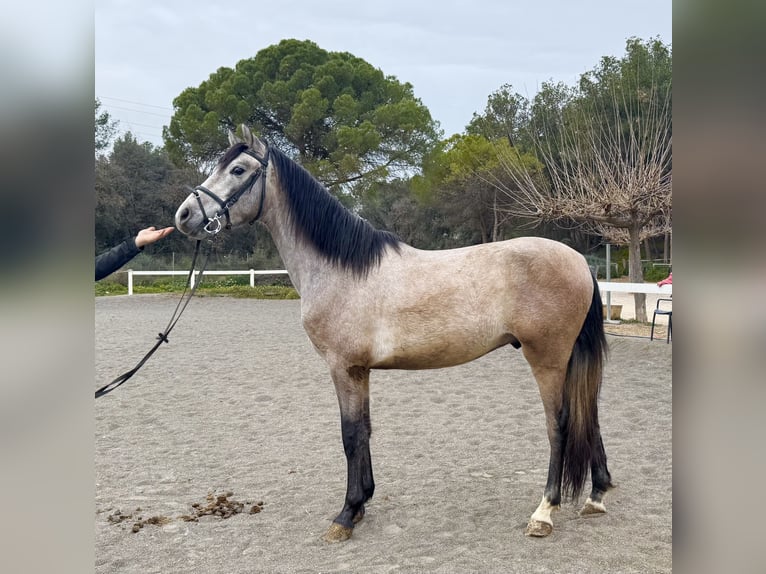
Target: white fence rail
651,289
612,287
251,272
604,286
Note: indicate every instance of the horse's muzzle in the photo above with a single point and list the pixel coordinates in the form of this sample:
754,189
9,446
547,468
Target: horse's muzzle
188,221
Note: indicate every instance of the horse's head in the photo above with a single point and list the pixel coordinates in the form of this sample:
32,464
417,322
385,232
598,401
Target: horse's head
239,178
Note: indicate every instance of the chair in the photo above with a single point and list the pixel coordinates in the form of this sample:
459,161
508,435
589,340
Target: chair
668,312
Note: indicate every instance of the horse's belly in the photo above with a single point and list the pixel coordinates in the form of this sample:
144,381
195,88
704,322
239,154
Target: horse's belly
435,352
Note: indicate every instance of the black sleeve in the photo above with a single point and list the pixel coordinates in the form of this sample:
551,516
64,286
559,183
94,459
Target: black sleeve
110,261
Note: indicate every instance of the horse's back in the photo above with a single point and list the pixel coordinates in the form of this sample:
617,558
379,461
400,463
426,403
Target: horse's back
524,267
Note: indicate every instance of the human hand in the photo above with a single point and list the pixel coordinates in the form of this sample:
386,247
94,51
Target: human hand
151,234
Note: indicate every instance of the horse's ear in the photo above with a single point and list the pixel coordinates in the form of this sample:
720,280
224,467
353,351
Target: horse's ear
252,140
233,139
247,135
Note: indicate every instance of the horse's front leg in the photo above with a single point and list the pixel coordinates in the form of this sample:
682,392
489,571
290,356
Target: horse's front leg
352,387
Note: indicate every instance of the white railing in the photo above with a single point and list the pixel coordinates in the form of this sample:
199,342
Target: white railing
611,287
251,272
604,286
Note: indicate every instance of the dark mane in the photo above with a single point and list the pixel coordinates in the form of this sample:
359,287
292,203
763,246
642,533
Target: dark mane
341,236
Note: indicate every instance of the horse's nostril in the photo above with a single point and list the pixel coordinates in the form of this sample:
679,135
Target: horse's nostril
183,215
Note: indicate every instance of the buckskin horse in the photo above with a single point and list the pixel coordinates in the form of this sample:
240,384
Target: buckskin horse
370,301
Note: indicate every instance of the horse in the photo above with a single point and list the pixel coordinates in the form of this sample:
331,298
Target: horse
370,301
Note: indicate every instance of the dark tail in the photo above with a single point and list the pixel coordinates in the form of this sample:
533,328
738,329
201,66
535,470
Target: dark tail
579,411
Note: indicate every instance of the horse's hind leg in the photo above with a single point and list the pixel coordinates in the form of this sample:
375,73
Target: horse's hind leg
550,382
601,479
352,388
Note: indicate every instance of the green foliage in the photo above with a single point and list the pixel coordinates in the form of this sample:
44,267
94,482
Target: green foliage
393,206
137,186
456,160
632,96
598,263
208,288
644,70
106,128
654,272
504,116
551,110
345,121
460,178
109,287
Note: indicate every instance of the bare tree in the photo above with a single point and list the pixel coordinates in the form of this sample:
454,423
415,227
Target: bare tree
609,167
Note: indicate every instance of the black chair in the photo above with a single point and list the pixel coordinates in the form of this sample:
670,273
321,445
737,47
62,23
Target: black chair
668,312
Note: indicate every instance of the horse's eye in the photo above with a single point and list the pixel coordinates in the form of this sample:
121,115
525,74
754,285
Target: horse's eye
237,171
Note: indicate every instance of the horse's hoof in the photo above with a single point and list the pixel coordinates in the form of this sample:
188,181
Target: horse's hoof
590,507
337,533
538,528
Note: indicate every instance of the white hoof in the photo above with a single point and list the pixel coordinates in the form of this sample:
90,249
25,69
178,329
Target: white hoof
538,528
591,507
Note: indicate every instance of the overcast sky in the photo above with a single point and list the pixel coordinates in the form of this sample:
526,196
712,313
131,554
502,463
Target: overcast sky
454,53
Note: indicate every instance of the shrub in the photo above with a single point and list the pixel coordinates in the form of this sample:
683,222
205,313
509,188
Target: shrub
654,272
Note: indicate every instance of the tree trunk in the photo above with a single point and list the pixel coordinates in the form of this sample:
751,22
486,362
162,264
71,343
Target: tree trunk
666,255
484,231
637,272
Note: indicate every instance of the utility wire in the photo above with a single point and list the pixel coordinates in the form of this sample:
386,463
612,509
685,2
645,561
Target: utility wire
137,111
136,103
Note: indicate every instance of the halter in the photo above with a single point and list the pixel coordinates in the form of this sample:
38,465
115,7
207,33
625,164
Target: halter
213,224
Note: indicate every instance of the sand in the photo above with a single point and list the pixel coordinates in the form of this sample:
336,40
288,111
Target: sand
240,405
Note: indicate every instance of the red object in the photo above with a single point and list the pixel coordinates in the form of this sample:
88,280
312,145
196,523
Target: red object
668,281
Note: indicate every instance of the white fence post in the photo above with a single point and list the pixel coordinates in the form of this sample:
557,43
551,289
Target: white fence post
194,277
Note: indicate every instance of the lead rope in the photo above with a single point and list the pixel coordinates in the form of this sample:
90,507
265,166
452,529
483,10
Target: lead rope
163,337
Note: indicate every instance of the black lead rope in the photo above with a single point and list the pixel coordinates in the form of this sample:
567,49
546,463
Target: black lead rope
162,337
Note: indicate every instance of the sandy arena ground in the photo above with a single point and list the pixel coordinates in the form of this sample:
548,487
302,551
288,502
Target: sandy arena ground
239,405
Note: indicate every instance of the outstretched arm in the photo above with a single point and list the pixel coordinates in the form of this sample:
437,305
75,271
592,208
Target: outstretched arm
110,261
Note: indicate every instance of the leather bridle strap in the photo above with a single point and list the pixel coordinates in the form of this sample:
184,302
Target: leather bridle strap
213,224
162,337
225,205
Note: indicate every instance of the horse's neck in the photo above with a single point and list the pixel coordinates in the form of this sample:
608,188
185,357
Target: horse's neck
301,260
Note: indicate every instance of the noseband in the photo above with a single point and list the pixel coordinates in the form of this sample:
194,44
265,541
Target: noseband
213,224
